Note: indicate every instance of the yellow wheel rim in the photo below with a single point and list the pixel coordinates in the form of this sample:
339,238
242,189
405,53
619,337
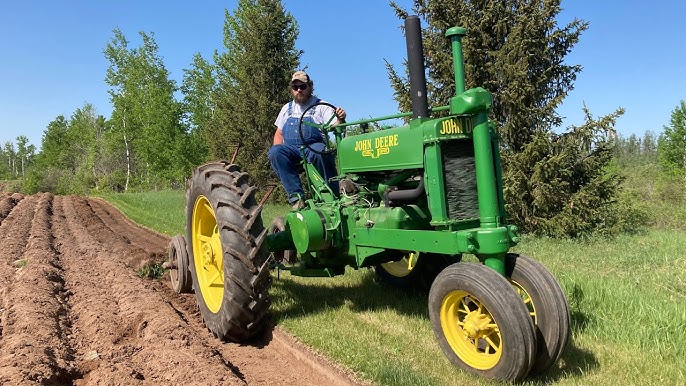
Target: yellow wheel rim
470,330
401,268
207,254
528,302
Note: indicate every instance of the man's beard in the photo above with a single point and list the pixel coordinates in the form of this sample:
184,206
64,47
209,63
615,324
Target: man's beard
302,97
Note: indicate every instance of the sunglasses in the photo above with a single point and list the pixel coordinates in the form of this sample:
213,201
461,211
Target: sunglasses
297,87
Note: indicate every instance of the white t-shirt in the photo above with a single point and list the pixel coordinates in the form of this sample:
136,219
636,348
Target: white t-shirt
322,113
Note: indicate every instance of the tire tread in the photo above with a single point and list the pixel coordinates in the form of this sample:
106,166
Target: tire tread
246,270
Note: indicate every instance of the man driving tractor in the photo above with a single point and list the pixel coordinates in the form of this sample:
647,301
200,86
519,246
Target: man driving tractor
285,155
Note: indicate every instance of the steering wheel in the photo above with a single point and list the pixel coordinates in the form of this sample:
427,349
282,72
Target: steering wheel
324,128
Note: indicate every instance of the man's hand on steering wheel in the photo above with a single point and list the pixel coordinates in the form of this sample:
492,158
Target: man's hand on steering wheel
340,114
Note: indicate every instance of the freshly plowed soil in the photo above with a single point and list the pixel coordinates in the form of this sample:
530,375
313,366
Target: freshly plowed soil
73,311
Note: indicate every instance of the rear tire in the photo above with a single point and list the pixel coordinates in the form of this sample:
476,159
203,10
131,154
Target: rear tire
547,306
480,322
229,263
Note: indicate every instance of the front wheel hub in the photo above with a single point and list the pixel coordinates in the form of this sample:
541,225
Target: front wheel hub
476,325
470,330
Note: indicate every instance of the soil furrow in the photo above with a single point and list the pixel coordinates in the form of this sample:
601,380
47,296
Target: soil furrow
7,202
124,227
137,332
35,329
13,238
132,255
14,234
14,230
77,314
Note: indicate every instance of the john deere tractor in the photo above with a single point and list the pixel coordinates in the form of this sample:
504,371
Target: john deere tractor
413,201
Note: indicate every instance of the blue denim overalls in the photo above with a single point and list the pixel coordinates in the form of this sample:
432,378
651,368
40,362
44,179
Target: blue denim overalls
285,159
291,131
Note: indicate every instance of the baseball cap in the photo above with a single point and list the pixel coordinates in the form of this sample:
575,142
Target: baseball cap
301,76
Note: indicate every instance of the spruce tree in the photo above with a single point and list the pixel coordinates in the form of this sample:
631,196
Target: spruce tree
516,50
253,77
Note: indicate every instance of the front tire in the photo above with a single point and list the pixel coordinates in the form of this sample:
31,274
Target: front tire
480,322
547,306
228,261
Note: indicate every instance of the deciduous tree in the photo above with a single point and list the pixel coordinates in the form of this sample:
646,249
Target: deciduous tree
25,153
672,143
5,164
86,135
146,117
199,84
10,157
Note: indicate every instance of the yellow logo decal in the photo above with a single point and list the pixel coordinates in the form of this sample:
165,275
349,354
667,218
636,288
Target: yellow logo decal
379,147
453,126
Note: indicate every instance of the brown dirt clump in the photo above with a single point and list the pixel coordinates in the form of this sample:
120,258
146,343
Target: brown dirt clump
74,312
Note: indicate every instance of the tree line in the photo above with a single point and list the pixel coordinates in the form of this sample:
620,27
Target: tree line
556,183
15,158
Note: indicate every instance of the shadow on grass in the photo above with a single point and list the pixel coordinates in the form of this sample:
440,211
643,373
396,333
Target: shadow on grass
368,295
580,320
575,363
371,294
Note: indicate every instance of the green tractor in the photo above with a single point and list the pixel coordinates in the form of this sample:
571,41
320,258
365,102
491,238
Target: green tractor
413,200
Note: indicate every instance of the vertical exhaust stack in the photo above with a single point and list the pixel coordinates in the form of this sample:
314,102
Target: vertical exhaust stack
415,60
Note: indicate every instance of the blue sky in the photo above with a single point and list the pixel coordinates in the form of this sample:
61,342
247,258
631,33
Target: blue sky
52,63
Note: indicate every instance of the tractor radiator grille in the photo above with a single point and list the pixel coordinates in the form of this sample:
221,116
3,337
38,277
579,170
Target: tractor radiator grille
459,174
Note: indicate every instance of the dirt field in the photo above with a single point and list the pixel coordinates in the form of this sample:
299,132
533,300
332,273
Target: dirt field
74,312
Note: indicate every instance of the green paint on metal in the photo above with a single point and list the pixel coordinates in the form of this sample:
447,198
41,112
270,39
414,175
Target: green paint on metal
396,148
497,263
280,241
485,174
472,101
401,189
498,173
308,230
318,188
400,177
443,129
433,181
455,34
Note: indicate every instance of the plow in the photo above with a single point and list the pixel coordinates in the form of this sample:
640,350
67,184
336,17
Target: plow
413,201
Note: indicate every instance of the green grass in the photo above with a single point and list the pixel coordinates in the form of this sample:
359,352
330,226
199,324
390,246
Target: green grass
627,298
162,211
628,304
